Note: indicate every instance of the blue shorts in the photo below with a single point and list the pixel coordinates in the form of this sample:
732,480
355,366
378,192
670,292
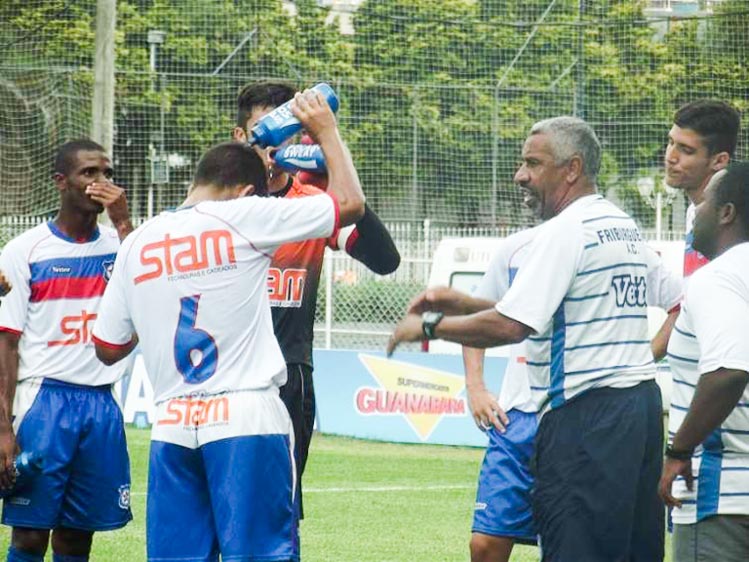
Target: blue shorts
597,465
222,480
85,480
503,500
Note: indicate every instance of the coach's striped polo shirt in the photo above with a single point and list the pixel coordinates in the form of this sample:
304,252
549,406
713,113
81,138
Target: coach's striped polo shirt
711,333
58,283
582,288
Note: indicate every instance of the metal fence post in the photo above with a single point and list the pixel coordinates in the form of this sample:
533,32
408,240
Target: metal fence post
328,264
427,248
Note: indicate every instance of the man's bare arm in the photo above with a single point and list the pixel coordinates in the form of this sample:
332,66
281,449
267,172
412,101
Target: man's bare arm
484,406
659,344
8,380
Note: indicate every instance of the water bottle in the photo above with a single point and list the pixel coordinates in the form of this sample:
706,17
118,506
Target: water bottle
280,123
301,157
26,465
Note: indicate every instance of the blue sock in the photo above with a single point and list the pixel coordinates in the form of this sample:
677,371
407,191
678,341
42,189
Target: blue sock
68,558
20,556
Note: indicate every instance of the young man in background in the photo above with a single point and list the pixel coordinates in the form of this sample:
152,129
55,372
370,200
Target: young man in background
294,275
55,396
701,142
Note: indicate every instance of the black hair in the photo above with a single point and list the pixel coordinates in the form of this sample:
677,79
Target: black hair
717,122
734,188
265,93
232,164
67,152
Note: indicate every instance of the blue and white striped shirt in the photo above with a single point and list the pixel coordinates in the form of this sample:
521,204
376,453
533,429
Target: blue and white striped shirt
711,333
583,289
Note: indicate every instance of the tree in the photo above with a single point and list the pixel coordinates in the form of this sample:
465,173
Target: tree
437,95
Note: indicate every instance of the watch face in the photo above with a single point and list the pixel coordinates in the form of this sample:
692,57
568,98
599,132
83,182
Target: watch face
429,321
431,317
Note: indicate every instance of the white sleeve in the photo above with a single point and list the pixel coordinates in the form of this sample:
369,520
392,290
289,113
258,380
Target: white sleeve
270,221
14,307
664,288
346,236
546,276
720,319
496,280
114,325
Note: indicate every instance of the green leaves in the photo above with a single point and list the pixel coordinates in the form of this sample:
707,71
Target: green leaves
437,95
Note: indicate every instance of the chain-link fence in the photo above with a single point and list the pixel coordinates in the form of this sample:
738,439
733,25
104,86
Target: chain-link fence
437,97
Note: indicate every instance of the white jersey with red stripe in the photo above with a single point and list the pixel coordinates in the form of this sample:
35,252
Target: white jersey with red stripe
192,283
693,260
58,283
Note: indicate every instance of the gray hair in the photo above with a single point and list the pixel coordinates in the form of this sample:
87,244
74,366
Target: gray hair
570,136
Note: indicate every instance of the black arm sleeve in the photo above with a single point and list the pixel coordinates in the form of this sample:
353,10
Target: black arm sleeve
373,245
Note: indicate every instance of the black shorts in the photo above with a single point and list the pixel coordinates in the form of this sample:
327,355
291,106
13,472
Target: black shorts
597,465
299,396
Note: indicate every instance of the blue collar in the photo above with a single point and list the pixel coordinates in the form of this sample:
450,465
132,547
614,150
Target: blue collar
57,232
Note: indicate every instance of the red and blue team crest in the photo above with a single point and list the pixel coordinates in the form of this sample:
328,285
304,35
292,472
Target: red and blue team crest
124,500
108,267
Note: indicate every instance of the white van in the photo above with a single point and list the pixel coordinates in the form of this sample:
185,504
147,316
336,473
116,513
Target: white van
461,262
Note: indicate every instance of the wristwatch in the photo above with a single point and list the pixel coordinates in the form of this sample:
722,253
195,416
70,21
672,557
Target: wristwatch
429,321
678,454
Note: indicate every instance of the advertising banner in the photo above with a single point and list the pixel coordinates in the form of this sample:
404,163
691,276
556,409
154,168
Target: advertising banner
411,398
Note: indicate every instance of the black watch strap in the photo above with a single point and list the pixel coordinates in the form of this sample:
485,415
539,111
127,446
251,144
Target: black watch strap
429,321
678,454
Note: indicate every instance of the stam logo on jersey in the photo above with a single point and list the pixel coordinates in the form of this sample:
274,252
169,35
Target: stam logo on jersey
194,412
76,329
422,395
286,287
187,256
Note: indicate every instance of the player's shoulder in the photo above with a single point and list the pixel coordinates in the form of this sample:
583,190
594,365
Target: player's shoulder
595,213
704,282
563,226
520,238
596,208
299,189
139,234
108,235
731,267
26,241
514,244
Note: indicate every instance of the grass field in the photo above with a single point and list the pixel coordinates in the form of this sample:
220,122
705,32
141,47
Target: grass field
364,502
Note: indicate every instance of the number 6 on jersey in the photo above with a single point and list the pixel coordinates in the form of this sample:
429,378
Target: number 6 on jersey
195,351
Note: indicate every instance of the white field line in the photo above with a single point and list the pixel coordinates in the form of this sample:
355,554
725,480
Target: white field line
376,489
436,487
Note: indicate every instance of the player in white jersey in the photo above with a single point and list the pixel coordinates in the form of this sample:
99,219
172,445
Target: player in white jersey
701,142
503,514
63,409
581,294
192,284
708,457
